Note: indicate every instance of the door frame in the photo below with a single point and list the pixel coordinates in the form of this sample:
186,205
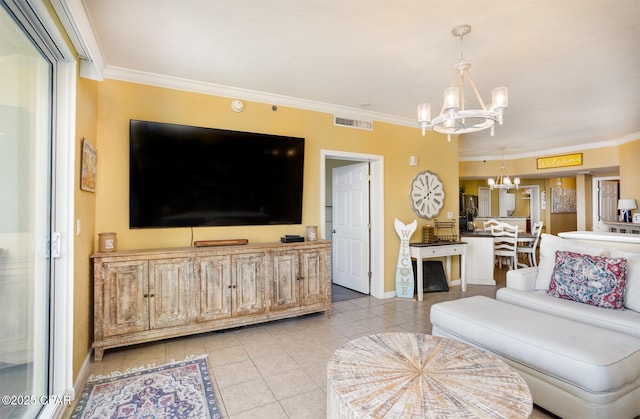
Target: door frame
595,194
46,35
376,198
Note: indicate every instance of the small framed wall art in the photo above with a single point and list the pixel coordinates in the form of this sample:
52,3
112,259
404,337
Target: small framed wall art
89,166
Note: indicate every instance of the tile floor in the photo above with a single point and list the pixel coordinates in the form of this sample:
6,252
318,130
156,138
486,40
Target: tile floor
278,369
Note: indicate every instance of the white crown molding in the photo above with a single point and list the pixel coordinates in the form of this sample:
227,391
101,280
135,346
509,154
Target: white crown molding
569,149
75,21
159,80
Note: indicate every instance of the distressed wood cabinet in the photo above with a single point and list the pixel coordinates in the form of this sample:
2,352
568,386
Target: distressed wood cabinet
299,278
146,295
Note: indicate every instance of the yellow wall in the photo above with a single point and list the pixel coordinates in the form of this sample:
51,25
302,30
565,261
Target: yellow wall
619,160
120,101
526,167
104,110
630,171
84,242
522,203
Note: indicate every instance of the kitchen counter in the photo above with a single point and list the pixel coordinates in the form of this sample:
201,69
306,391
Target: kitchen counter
479,257
477,233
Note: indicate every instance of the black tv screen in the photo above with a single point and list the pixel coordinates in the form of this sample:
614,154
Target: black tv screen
185,176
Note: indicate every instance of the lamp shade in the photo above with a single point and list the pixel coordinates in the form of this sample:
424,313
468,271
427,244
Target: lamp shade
627,204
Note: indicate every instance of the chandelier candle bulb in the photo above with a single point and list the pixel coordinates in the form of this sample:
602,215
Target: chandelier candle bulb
424,112
452,99
424,116
500,97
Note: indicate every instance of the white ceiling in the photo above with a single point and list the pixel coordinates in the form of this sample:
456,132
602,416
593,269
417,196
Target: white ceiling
571,66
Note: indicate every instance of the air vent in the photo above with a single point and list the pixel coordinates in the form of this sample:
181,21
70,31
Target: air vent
352,123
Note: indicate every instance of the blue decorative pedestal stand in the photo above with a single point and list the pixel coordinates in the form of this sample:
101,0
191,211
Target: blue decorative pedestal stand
404,269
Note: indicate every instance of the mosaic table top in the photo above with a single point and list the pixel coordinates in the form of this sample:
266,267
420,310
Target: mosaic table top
408,375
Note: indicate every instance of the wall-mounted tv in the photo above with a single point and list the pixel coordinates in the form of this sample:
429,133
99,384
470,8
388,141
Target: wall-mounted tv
185,176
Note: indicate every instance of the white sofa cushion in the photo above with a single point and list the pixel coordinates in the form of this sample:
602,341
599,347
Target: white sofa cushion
632,291
549,244
593,359
624,321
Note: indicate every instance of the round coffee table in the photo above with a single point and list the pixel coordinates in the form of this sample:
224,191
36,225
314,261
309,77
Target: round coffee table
408,375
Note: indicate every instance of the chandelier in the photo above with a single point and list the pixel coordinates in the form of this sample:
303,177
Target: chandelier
503,181
454,118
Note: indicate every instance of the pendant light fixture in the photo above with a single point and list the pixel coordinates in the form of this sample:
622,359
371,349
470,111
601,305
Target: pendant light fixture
503,181
454,117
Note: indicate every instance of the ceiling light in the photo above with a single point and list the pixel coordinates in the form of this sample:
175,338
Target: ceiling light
503,181
454,118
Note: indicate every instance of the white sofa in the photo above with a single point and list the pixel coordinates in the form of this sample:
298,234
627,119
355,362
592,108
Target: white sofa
579,360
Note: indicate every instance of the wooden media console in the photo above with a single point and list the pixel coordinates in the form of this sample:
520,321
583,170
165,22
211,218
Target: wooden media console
146,295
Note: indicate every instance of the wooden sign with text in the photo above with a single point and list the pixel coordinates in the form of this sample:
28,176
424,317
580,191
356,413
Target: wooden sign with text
559,161
404,268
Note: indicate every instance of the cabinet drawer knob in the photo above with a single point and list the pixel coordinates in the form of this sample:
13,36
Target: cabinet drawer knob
151,295
145,295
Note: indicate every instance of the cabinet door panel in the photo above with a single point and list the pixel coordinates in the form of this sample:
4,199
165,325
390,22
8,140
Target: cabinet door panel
169,292
285,291
249,288
125,288
314,279
213,281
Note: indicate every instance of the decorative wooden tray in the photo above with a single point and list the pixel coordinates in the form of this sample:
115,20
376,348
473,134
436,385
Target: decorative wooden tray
228,242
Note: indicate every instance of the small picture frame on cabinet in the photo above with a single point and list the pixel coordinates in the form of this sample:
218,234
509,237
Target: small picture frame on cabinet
89,166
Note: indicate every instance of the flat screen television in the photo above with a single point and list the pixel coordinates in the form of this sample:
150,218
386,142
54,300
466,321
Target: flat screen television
185,176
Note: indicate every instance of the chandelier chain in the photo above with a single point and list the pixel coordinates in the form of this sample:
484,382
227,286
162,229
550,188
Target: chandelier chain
461,59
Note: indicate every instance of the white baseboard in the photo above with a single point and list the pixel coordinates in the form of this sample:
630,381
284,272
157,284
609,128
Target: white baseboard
80,379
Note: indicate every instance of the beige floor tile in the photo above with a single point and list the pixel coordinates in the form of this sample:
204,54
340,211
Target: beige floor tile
318,374
312,404
269,411
221,339
246,396
275,364
309,356
254,334
178,350
227,355
353,329
354,315
236,373
142,356
343,306
269,347
290,383
279,369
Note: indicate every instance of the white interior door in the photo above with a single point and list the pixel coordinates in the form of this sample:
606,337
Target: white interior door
484,202
608,202
351,226
534,204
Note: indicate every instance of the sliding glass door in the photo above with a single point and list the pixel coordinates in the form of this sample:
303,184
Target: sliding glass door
26,92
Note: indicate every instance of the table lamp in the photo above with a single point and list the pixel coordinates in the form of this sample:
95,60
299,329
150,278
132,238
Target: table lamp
626,205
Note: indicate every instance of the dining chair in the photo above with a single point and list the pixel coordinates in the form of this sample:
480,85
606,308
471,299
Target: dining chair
529,248
505,244
490,223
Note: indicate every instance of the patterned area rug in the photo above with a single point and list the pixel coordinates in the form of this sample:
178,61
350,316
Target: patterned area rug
176,390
